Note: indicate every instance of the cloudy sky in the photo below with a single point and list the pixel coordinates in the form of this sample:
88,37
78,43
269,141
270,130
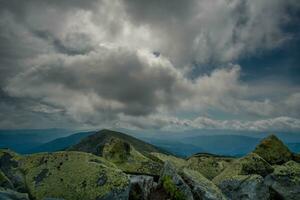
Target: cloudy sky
150,65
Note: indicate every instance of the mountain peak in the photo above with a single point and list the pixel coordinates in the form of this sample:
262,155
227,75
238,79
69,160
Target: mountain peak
95,143
273,150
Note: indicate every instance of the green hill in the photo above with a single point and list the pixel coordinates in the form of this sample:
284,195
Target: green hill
94,143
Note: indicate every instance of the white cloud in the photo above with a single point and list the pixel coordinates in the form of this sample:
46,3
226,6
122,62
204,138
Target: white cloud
168,123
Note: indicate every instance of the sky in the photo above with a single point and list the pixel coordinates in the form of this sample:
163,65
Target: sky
150,65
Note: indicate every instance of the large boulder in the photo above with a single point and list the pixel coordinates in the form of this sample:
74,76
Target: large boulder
207,164
179,163
10,174
285,180
244,177
127,158
247,165
273,150
72,176
141,186
246,187
173,184
202,188
8,194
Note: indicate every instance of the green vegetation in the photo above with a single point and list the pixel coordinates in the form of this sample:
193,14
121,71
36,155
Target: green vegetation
171,189
208,165
177,162
273,150
127,158
250,164
4,181
71,176
95,143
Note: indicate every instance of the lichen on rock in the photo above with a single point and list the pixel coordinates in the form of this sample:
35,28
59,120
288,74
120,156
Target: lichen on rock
285,180
202,188
273,150
208,165
72,176
173,184
127,158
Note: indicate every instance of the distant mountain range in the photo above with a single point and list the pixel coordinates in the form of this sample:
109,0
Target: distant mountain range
60,143
23,140
33,141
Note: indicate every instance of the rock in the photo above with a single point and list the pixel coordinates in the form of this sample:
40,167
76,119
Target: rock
4,181
250,164
273,150
173,184
8,194
297,157
9,163
202,188
246,187
244,178
141,187
285,180
207,164
73,175
179,163
254,164
127,158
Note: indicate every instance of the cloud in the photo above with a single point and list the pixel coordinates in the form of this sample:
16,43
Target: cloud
213,31
168,123
103,62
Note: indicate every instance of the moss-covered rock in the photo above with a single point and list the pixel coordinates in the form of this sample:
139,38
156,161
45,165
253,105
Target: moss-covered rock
246,187
273,150
250,164
244,177
173,184
127,158
73,176
208,165
285,180
9,166
202,188
177,162
4,181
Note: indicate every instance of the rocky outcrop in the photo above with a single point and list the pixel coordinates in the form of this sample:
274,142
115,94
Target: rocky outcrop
141,187
208,165
127,158
246,187
244,177
273,150
250,164
201,187
285,180
72,175
179,163
8,194
12,177
173,184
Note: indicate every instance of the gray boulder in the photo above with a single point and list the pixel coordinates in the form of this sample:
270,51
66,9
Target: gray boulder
141,187
285,180
202,188
173,184
245,187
